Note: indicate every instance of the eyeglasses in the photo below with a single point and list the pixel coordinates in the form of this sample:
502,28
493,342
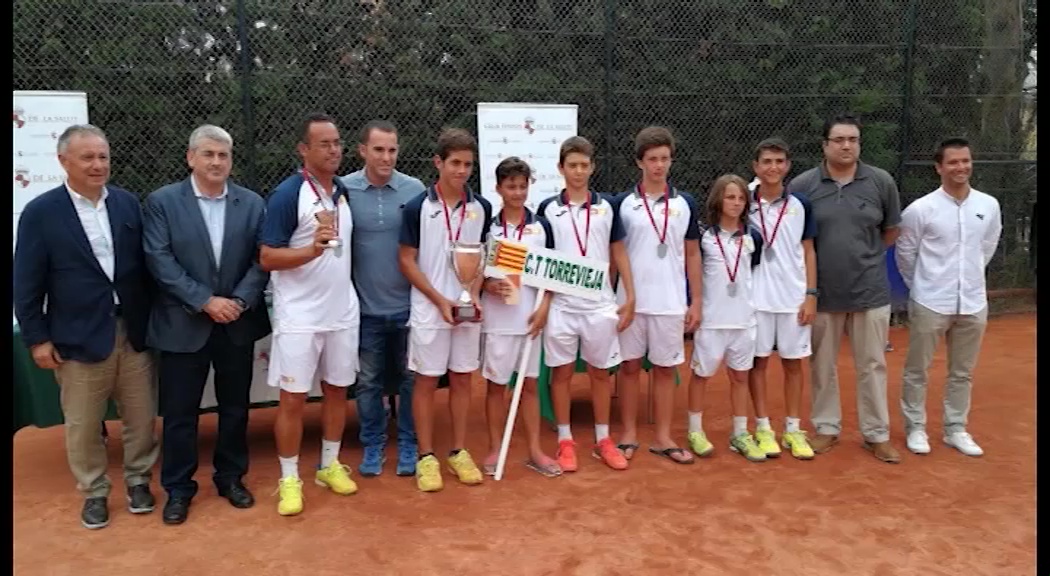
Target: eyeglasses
844,139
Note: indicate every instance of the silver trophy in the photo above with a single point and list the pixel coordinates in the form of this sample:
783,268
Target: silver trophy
468,261
328,218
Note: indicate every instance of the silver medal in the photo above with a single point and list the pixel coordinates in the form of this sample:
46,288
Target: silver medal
731,289
661,250
769,253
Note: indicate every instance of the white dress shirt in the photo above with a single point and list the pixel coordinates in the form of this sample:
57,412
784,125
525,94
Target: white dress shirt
95,220
213,210
945,246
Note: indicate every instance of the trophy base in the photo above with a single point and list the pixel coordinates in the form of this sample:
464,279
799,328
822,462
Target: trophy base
466,313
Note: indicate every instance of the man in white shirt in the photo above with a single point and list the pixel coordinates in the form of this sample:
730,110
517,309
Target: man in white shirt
947,239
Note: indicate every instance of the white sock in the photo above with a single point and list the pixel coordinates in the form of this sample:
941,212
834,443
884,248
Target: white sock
329,452
739,425
695,422
289,466
762,424
564,432
791,424
601,432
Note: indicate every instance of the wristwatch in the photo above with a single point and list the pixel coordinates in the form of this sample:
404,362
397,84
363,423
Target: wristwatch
240,302
812,292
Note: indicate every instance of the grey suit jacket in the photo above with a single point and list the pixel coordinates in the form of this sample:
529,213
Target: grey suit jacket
179,255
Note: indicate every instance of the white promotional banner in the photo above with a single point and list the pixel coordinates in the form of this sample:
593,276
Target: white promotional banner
532,132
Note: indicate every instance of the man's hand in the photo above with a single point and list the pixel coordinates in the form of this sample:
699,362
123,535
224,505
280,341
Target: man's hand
446,305
222,310
497,287
45,356
321,237
808,311
538,319
692,317
626,314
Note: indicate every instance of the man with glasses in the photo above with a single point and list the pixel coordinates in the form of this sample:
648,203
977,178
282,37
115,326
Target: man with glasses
857,209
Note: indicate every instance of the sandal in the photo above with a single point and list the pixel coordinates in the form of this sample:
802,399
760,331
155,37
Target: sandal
670,454
625,447
550,470
488,467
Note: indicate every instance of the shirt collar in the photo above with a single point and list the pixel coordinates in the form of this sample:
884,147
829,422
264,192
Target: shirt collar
738,232
77,197
637,191
783,193
197,191
432,194
563,198
862,171
339,189
953,199
529,217
360,178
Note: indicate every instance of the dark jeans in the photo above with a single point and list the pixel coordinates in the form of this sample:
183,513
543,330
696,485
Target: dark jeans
384,359
182,380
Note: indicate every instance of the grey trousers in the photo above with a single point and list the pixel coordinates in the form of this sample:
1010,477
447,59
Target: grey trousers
963,334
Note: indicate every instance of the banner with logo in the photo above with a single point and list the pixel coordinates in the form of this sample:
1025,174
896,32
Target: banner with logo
543,268
532,132
39,119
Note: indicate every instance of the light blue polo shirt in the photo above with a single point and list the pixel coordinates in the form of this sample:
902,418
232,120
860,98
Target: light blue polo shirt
377,212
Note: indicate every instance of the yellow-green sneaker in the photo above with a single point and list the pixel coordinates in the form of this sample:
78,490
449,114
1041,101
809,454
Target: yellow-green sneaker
745,445
462,465
336,477
700,445
290,491
798,444
767,442
428,474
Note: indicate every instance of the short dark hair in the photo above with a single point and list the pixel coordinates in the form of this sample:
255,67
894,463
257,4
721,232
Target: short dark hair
454,140
955,142
575,145
718,192
772,145
511,167
381,125
848,119
309,120
652,137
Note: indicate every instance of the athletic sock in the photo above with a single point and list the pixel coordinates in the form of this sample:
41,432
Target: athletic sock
791,424
739,425
601,432
695,422
762,424
329,452
564,432
289,466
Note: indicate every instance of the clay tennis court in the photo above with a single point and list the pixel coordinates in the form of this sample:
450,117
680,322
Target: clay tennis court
842,513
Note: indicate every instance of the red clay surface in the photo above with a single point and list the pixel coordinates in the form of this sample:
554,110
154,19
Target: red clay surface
843,513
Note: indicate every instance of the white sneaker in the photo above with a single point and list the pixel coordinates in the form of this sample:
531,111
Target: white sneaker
963,442
919,442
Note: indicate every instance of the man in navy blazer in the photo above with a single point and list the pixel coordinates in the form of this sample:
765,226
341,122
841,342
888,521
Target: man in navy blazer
201,242
82,299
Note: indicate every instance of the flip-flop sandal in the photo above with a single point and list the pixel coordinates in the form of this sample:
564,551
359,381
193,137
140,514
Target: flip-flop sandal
489,469
667,453
625,447
552,470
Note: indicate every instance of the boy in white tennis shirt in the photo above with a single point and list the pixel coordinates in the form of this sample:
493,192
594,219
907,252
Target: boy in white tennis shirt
584,223
315,308
446,213
785,294
663,246
507,326
730,249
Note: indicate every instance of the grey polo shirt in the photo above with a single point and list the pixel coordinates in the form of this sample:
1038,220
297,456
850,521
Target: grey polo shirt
381,287
851,257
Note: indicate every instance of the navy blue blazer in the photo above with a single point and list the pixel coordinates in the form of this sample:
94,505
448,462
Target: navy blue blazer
62,295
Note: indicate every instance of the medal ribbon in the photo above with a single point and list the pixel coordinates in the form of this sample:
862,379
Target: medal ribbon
725,261
667,211
587,227
762,217
521,226
448,220
313,187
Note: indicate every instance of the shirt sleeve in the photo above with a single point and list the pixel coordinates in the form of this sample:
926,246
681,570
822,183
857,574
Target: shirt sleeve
692,230
282,216
756,256
618,232
486,208
891,211
990,242
809,220
410,222
906,250
548,233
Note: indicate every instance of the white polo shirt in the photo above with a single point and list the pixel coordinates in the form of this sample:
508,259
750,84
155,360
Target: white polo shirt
605,228
944,247
659,283
500,318
780,277
423,227
719,309
317,296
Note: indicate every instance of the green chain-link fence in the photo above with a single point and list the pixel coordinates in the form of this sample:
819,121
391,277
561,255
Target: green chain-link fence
722,74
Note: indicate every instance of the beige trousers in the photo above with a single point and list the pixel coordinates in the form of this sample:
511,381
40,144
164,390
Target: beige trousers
963,334
127,377
867,331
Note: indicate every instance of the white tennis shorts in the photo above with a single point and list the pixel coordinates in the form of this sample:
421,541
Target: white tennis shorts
783,331
501,356
592,335
661,337
711,345
296,358
435,351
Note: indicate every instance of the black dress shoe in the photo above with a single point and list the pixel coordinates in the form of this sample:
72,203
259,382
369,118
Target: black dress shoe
237,494
140,499
176,510
95,514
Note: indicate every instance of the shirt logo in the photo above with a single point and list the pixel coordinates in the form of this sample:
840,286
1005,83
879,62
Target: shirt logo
980,216
472,215
435,214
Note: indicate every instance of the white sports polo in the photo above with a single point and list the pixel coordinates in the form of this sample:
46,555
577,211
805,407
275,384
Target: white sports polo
659,283
317,296
720,309
780,277
501,318
568,223
425,228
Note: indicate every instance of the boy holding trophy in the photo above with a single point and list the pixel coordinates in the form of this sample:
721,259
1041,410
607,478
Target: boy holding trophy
440,253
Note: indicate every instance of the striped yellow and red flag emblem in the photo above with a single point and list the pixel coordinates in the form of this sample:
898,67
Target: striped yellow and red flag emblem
510,256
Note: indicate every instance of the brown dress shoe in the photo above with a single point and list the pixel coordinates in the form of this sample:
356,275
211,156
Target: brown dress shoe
822,443
883,451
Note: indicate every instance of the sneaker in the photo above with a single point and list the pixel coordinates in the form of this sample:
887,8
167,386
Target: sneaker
767,442
95,514
428,474
964,443
407,455
700,445
463,466
607,452
336,477
745,445
290,490
372,461
798,444
140,499
566,455
918,442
